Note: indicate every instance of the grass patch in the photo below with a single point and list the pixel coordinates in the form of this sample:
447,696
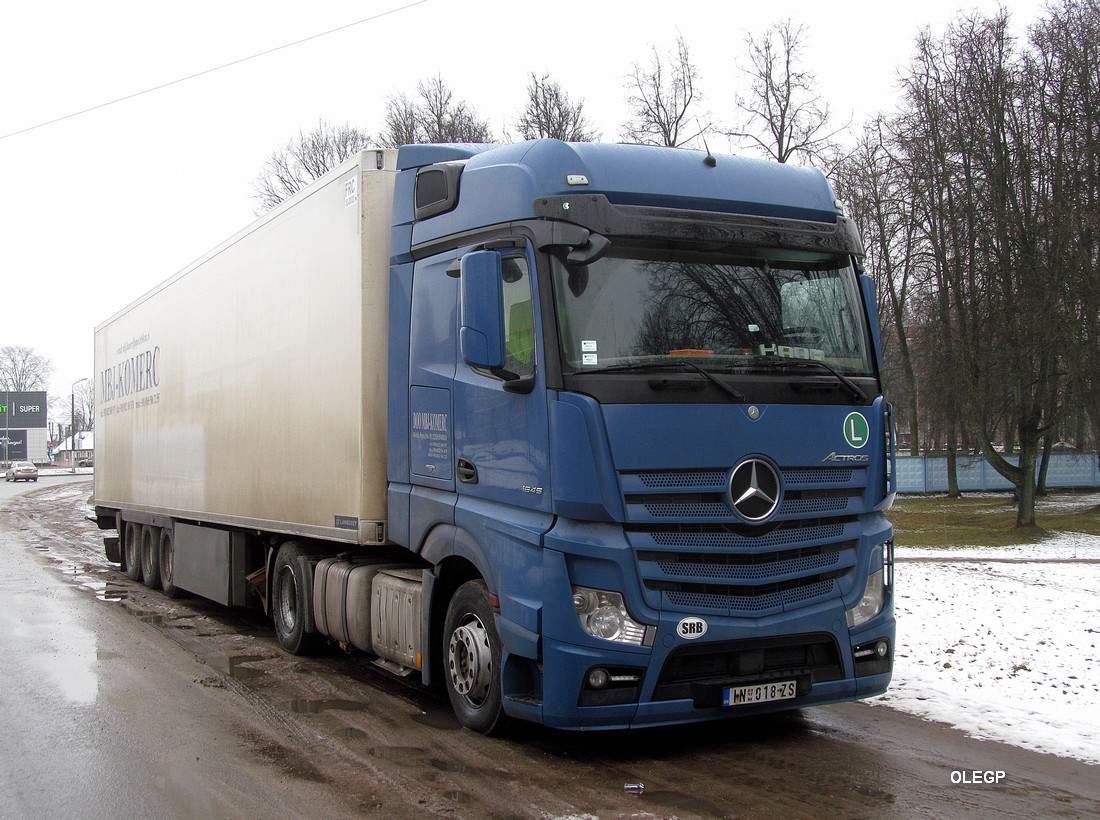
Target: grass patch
988,520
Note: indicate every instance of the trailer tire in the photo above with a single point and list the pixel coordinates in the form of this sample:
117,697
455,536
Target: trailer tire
150,558
290,601
472,660
166,557
131,551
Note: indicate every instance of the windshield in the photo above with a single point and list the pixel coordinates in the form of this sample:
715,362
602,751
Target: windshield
638,307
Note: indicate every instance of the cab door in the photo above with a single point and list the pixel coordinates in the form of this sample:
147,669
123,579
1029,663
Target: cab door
501,426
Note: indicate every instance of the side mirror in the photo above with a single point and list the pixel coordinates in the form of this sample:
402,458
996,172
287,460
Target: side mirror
867,284
481,337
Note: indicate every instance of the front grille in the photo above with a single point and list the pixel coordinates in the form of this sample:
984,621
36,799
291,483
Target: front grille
744,566
702,495
696,554
738,570
745,538
683,478
737,599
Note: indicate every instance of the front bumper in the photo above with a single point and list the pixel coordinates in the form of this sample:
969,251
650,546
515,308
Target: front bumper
678,681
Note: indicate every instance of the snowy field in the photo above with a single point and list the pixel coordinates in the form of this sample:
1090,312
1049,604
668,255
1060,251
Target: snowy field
1002,642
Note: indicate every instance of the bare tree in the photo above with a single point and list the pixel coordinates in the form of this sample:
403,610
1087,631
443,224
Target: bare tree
303,159
1001,262
402,122
434,116
23,370
550,113
1063,66
663,98
874,187
783,116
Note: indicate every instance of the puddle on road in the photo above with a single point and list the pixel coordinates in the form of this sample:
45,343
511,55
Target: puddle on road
458,796
86,574
105,590
234,666
400,754
448,765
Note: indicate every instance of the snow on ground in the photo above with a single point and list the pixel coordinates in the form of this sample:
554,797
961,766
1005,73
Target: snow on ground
1003,643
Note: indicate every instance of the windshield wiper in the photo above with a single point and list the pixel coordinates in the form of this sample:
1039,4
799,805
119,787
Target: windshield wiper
790,364
643,366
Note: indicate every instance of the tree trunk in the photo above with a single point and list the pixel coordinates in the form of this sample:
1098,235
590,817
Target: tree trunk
1044,465
952,463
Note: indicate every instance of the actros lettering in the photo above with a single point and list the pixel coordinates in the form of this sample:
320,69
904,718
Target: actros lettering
843,457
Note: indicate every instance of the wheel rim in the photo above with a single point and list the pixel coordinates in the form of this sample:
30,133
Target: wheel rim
470,661
147,547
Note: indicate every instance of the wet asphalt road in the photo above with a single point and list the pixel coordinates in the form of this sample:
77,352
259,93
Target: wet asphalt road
116,701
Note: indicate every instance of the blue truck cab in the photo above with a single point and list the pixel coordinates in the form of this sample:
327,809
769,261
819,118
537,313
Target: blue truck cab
636,432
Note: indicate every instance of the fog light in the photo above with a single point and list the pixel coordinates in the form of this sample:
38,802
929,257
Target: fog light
872,658
598,678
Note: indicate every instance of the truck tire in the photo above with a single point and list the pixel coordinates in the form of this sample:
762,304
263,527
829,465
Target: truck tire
131,551
150,558
166,557
290,601
471,652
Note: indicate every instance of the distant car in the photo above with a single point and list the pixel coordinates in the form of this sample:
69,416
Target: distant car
86,462
22,471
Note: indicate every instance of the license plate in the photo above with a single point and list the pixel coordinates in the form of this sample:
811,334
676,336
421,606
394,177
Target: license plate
759,693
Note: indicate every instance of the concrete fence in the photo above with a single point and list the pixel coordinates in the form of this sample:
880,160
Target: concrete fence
928,474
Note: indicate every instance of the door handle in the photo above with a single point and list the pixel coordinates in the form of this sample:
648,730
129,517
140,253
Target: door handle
467,472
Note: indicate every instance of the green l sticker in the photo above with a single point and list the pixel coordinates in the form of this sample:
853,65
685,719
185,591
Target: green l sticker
856,430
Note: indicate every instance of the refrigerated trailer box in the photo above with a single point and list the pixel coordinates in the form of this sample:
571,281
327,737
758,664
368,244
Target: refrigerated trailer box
592,435
250,389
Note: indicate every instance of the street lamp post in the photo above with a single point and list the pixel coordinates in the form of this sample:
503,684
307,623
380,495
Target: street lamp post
72,427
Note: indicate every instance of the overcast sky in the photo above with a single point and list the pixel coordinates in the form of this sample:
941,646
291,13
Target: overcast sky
99,208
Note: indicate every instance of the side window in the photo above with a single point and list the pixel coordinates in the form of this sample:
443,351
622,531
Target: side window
519,318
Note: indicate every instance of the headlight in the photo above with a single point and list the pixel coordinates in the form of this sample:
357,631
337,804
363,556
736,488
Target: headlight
603,615
870,604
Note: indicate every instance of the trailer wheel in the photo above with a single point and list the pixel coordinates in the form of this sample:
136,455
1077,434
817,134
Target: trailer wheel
131,551
166,556
150,560
290,601
472,651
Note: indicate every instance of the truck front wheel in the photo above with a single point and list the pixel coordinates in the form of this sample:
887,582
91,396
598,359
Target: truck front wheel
472,652
290,600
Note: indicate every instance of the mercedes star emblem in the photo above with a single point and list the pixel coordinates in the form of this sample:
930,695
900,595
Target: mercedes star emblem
754,489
